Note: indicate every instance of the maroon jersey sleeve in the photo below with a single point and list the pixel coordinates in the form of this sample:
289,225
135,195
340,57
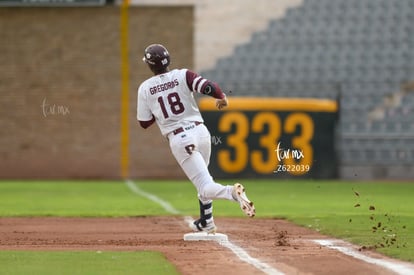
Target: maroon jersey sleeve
198,84
148,123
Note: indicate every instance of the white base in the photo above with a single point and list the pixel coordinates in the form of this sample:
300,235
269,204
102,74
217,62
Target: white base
204,236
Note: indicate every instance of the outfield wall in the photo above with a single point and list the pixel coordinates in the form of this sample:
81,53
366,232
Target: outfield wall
60,87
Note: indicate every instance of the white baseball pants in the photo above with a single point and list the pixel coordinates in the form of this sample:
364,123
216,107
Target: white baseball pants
192,149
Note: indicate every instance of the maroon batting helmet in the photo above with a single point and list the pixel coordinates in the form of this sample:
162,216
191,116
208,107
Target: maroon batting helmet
157,57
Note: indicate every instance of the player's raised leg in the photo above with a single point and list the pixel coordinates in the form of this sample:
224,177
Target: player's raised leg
210,190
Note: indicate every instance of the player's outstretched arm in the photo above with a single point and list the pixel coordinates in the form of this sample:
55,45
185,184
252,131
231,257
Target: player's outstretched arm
197,83
213,90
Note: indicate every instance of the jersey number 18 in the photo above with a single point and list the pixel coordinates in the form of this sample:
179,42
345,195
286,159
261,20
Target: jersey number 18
176,106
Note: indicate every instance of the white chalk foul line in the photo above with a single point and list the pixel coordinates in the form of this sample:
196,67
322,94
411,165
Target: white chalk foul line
240,253
135,189
244,256
399,268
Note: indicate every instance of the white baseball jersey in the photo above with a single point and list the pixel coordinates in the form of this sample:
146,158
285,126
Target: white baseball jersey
169,98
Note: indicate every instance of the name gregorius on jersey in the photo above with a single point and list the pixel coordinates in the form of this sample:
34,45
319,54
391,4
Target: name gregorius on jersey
163,87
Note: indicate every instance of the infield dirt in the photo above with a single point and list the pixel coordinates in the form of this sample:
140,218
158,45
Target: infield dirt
278,243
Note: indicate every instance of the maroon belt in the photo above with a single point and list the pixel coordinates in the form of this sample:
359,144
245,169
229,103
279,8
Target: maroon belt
181,129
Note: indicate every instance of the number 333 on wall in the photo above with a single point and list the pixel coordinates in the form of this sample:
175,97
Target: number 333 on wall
273,137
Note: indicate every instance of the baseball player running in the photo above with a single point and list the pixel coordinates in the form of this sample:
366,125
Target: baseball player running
167,98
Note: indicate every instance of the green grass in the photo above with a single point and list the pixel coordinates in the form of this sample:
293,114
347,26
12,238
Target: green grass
72,198
85,262
336,208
